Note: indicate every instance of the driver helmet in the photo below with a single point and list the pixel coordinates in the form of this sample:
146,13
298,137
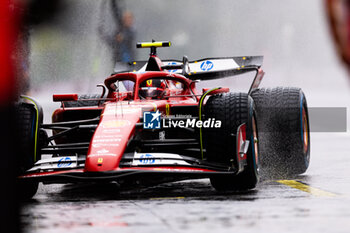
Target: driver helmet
152,88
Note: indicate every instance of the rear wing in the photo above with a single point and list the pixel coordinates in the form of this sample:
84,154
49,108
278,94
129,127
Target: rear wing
214,68
209,68
205,69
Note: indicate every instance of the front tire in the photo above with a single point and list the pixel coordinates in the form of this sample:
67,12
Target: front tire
233,109
29,118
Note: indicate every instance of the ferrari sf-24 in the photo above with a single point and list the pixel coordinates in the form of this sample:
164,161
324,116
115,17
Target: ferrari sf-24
151,125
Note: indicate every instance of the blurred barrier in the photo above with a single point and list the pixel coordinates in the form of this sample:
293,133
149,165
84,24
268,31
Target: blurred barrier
321,119
325,120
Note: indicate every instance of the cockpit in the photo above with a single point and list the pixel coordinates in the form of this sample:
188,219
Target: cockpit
153,88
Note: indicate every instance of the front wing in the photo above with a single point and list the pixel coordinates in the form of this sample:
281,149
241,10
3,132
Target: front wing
135,169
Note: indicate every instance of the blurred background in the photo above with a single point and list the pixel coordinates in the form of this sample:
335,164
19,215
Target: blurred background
68,53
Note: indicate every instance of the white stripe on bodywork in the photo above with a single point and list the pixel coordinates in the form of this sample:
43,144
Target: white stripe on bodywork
55,163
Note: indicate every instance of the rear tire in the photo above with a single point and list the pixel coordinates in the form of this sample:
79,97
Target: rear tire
233,109
283,125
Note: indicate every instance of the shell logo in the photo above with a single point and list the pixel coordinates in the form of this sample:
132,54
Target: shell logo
115,123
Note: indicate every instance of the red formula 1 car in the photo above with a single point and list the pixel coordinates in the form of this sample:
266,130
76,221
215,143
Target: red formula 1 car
150,125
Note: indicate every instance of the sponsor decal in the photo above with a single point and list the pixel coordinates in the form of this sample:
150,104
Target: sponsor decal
149,83
64,162
207,65
158,159
151,120
167,109
172,63
108,140
103,151
115,123
111,131
108,136
98,145
147,159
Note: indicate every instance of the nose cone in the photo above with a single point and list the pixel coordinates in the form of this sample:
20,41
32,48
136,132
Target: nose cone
111,137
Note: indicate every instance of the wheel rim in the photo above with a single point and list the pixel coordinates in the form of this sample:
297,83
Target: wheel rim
256,148
305,131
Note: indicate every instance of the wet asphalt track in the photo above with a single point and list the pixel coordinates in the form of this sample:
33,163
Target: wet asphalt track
318,201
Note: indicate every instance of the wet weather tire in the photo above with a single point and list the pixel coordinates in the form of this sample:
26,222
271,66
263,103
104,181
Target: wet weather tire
232,109
28,119
283,125
28,135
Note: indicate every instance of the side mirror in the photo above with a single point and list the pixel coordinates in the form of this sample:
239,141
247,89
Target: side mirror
65,97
